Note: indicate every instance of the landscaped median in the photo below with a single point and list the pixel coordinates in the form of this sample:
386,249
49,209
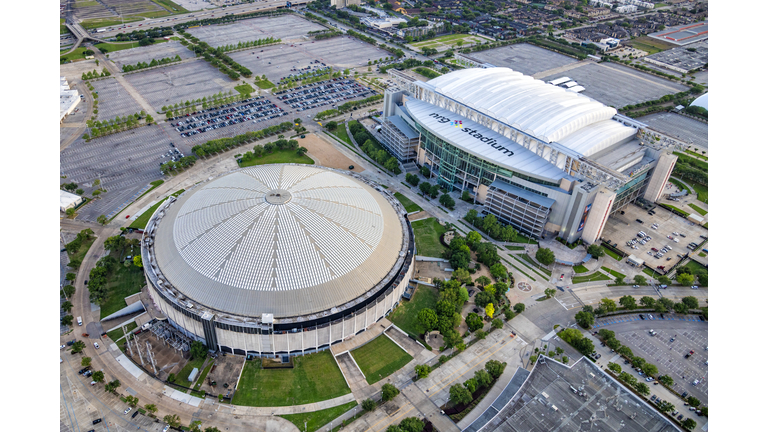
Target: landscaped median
597,276
312,421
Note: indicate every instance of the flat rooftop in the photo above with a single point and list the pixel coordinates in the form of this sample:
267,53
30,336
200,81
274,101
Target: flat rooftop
684,128
580,397
684,34
690,57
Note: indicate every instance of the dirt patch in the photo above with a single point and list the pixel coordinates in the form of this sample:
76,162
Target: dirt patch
419,215
434,270
326,154
226,369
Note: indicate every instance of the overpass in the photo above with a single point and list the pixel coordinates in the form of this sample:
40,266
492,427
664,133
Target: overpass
81,34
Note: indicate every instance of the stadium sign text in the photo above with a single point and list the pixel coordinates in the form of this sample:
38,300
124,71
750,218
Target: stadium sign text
474,133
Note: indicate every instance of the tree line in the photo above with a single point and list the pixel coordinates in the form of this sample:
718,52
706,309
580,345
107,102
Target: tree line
281,144
153,63
690,168
179,165
371,147
491,226
223,144
249,44
216,58
463,394
144,34
94,74
106,127
189,107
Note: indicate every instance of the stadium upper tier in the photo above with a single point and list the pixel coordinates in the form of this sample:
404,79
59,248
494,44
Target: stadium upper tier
282,239
545,111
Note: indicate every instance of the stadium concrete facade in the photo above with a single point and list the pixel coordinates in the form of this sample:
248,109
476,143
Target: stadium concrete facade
541,158
278,259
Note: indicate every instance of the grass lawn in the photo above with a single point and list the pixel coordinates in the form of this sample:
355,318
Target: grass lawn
671,207
264,84
696,267
106,22
112,47
650,45
121,282
534,263
427,233
614,272
379,358
404,316
580,268
702,192
77,54
317,419
118,333
650,272
612,254
514,248
698,155
591,278
314,377
141,221
84,246
201,377
409,205
245,89
181,377
702,254
444,39
518,269
698,209
341,133
679,184
279,156
519,238
62,28
171,6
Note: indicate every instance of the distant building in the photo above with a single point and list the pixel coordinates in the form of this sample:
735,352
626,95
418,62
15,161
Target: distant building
340,4
69,200
68,99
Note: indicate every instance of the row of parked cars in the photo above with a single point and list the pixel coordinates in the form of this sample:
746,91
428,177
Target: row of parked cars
257,109
324,93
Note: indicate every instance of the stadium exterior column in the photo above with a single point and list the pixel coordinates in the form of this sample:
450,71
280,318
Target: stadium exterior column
660,176
601,209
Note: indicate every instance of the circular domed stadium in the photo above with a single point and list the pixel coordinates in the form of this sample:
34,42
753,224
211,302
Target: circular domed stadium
278,259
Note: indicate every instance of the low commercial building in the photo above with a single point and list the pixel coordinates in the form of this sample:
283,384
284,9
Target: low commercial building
340,4
68,99
69,200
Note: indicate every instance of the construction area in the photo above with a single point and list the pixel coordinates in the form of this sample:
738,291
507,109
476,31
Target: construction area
162,349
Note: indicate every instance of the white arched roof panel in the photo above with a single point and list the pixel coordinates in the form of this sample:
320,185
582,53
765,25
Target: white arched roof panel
597,137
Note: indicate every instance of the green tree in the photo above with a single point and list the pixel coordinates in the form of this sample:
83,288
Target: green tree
77,347
681,308
112,385
608,304
474,322
664,280
423,370
499,271
331,125
642,388
70,212
198,350
483,378
85,361
693,401
495,368
462,275
66,320
640,280
427,319
689,424
549,292
650,369
132,400
691,302
545,256
388,392
66,306
519,307
102,220
411,424
152,408
460,395
595,250
647,301
369,405
684,279
70,277
628,302
585,319
173,420
666,380
98,376
614,367
497,323
447,201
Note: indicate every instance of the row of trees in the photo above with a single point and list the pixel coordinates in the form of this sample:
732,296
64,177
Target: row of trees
215,57
118,124
248,44
491,226
179,165
586,317
463,394
75,245
350,105
144,34
223,144
317,73
286,84
153,63
228,19
93,74
371,147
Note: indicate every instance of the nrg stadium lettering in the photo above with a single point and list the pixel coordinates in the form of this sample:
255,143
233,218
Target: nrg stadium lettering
473,133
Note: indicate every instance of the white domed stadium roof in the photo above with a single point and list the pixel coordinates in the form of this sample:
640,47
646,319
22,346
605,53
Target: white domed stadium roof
282,239
702,101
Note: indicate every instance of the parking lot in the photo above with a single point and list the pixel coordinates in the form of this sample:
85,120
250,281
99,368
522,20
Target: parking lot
256,109
344,52
622,228
114,100
178,83
525,58
275,61
688,332
677,126
324,93
619,86
283,27
146,54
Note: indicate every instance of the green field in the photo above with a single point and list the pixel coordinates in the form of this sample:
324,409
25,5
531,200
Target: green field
679,184
696,267
84,246
121,282
112,47
591,278
699,155
264,84
580,268
614,272
141,221
698,209
341,133
314,377
448,40
106,22
514,248
612,254
427,233
279,156
409,205
380,358
317,419
702,192
650,272
181,377
649,45
168,4
77,54
62,28
245,89
404,316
